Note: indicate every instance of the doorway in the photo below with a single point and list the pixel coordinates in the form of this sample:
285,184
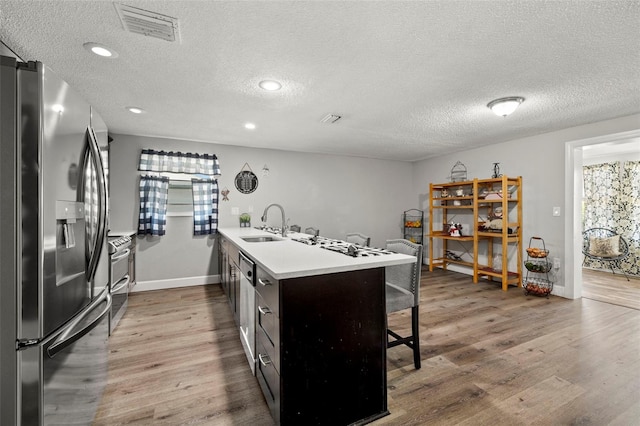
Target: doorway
574,159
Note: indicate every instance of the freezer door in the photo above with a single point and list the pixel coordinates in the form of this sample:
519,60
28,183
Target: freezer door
62,379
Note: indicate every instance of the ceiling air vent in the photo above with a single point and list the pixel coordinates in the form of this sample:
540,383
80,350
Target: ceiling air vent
330,118
148,23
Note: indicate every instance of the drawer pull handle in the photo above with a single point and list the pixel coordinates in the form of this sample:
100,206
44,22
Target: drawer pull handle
264,282
264,359
264,311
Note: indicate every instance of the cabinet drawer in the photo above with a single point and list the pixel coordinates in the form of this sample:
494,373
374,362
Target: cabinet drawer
271,348
266,319
269,289
269,379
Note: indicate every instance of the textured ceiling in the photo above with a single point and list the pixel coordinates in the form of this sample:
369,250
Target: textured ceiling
410,79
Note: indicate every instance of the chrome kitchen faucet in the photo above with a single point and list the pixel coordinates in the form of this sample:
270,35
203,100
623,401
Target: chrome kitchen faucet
284,223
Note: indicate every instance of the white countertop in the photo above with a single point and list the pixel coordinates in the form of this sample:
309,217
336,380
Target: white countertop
120,232
291,259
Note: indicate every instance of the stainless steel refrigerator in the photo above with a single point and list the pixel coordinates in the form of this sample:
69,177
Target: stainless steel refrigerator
54,265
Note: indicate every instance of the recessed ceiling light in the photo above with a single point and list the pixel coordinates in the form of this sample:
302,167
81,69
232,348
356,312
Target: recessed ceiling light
100,50
135,110
249,126
270,85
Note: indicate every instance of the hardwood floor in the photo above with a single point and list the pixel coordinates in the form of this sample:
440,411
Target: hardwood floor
489,358
611,288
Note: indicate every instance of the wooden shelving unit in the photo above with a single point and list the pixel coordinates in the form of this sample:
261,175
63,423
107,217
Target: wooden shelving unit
483,199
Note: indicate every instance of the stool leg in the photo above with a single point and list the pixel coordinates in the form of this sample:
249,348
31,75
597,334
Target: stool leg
415,330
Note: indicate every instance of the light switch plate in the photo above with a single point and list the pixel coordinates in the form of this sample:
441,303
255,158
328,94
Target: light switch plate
556,211
235,210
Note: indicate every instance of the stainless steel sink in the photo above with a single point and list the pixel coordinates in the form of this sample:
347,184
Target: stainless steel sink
261,239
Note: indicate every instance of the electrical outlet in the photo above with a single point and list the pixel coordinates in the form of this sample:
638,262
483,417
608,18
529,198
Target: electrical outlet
556,263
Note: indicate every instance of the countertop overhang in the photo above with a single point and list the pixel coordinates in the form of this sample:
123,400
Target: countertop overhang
291,259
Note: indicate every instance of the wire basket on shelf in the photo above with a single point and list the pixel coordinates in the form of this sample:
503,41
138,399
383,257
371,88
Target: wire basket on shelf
537,280
538,265
538,286
458,172
537,252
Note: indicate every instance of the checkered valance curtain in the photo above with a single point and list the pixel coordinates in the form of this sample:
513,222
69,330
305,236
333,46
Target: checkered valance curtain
154,190
205,206
178,162
153,205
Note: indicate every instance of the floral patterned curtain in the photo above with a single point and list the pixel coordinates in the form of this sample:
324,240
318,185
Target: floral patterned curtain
611,201
629,225
601,187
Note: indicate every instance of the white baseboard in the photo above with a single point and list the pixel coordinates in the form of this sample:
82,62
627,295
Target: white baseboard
175,282
558,291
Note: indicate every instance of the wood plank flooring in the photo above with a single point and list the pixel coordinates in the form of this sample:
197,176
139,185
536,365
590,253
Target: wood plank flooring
611,288
489,358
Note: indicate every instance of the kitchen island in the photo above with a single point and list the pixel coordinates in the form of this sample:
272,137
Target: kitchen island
319,325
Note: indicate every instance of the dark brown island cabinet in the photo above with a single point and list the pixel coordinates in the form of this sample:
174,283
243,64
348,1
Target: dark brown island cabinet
321,347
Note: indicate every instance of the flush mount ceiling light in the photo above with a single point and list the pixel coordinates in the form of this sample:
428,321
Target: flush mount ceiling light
134,110
100,50
270,85
330,118
249,126
505,106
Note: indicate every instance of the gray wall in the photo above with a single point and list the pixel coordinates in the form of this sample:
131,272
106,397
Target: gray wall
340,194
336,194
540,160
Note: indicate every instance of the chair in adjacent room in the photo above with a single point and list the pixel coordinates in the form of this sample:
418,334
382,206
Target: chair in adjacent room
359,239
403,292
312,231
606,246
295,228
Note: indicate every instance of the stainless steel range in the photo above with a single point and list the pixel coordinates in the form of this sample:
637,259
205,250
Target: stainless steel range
121,275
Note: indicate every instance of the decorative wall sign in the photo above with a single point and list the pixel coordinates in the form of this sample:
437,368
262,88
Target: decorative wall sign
246,181
225,193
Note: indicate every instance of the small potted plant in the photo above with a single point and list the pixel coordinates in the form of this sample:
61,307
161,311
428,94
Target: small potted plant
245,220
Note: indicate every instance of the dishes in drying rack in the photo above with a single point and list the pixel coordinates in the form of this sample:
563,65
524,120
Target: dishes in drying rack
343,247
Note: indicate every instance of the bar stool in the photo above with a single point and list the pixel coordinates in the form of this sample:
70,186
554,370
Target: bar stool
403,292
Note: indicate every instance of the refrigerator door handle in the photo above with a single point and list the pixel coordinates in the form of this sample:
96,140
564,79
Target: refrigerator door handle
68,336
94,149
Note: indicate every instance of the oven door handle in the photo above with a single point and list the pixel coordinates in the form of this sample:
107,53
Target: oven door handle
124,281
121,255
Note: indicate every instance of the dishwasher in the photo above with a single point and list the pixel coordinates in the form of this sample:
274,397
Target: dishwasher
247,309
